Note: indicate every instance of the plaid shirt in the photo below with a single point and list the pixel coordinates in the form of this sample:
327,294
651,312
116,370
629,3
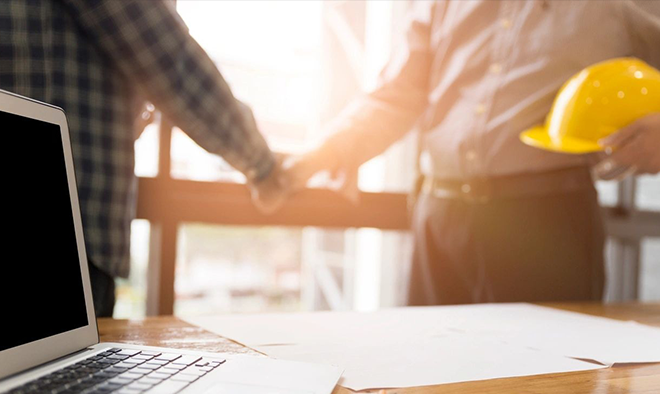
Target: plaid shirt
95,59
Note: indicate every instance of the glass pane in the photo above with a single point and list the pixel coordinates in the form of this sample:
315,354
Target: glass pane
650,270
237,269
132,292
223,269
146,152
279,75
648,192
607,192
190,161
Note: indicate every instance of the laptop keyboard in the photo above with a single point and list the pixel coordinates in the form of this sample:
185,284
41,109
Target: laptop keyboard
124,371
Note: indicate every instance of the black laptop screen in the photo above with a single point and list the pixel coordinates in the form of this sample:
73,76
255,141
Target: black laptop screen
41,290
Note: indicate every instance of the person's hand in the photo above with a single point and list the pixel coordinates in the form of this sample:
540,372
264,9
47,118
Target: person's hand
343,174
269,194
635,149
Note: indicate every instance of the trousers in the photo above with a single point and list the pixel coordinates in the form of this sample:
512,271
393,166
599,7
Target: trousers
528,249
103,291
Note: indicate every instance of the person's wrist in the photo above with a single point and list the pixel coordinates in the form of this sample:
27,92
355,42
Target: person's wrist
262,172
329,155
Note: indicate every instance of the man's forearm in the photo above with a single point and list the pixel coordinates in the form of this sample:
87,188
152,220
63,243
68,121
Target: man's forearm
150,45
370,126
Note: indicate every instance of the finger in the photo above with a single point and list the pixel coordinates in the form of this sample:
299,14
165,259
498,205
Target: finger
615,173
607,170
625,173
629,154
622,136
595,158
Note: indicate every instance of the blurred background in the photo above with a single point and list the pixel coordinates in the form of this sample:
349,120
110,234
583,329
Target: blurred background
307,60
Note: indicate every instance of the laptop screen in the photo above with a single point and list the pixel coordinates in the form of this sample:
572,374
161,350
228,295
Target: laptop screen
41,288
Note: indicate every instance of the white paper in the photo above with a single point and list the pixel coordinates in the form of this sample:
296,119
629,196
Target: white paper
424,363
433,345
564,333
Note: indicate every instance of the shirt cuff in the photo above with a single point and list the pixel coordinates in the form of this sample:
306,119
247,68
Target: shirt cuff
261,170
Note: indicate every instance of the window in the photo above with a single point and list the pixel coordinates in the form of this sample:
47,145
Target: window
648,193
607,193
132,292
238,269
306,61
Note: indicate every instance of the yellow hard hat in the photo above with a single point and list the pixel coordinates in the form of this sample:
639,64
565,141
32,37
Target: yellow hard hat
595,103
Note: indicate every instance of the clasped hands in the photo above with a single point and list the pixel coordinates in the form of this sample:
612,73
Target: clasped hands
292,173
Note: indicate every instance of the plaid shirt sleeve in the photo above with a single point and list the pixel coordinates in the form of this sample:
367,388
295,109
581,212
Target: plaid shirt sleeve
151,46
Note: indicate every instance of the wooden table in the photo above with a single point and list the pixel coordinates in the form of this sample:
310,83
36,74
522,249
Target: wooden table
629,379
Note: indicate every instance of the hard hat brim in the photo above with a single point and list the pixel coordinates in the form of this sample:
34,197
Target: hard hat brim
538,137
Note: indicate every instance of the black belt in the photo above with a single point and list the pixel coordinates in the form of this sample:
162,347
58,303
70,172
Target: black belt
485,189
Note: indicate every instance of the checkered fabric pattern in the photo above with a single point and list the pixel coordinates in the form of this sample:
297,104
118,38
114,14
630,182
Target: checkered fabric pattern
96,59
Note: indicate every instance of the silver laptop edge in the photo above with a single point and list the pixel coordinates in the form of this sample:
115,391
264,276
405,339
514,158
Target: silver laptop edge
35,353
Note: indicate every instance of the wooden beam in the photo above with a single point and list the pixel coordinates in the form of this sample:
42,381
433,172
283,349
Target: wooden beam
166,293
179,201
230,204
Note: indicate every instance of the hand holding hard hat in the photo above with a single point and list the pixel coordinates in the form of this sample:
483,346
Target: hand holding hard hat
613,106
635,146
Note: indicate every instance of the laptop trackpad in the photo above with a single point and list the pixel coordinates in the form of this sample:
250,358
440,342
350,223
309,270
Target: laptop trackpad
235,388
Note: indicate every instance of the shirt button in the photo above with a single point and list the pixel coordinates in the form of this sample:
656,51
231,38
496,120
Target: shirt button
505,23
465,188
480,109
471,155
495,68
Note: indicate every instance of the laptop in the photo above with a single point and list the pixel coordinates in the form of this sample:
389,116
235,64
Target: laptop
49,341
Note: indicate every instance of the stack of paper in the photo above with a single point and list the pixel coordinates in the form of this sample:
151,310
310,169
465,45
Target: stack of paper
406,347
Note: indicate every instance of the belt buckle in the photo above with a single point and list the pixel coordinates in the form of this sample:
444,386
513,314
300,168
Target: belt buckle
477,190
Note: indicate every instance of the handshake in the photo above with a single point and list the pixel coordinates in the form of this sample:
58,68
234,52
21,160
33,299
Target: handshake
291,174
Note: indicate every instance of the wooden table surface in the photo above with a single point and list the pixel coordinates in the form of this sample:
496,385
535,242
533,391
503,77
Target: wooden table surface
629,379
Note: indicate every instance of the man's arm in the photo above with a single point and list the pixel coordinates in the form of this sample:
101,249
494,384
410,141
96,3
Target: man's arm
151,47
375,121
